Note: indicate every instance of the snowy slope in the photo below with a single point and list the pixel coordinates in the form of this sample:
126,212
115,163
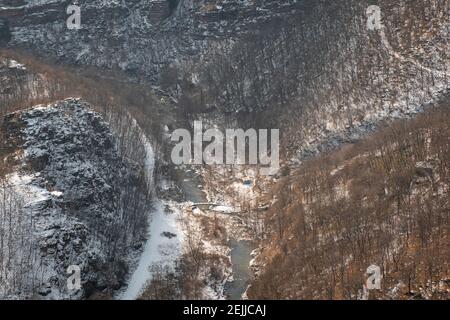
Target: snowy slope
164,236
68,204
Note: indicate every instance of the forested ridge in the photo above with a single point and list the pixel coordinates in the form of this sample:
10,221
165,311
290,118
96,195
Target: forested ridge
322,75
363,118
381,201
73,185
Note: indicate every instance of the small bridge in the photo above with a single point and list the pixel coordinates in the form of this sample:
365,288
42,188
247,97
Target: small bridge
210,205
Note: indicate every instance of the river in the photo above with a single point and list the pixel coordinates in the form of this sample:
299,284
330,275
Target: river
240,259
240,250
162,250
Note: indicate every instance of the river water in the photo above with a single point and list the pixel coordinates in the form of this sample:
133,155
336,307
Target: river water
240,250
240,259
160,222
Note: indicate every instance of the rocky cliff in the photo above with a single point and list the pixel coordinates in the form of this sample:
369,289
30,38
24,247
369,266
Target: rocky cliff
137,36
318,60
62,189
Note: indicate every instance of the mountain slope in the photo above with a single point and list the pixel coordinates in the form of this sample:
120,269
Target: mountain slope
383,201
137,36
63,193
313,69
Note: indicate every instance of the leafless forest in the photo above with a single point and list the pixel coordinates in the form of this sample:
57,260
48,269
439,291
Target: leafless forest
364,145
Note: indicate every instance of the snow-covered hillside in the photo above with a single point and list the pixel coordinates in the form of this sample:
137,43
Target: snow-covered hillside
137,36
317,70
63,203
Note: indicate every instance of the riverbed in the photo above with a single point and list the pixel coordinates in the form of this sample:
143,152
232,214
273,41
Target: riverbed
164,251
240,250
240,259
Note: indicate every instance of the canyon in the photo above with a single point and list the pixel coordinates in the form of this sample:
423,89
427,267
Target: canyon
363,145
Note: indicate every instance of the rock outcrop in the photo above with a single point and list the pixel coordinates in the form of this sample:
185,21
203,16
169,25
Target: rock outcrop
66,183
137,36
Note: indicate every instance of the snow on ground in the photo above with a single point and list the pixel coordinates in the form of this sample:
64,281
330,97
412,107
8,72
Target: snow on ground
158,250
13,64
184,220
22,184
405,60
44,239
223,209
193,226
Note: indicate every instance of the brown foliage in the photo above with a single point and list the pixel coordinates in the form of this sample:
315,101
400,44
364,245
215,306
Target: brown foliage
383,201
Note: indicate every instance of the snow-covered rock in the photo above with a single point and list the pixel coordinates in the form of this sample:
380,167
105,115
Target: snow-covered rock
138,36
66,183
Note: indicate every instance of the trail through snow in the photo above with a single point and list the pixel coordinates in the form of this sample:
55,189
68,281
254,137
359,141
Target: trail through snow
160,249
